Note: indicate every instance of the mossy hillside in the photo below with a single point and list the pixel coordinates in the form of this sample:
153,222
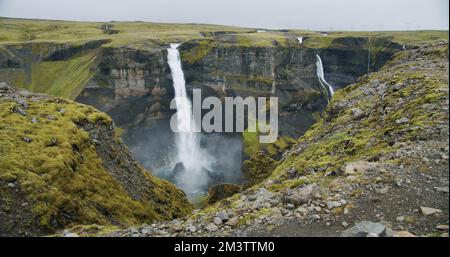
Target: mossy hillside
21,30
257,168
377,132
66,77
57,168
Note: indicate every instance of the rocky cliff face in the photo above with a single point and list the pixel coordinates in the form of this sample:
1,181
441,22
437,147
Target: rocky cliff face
134,85
125,77
287,71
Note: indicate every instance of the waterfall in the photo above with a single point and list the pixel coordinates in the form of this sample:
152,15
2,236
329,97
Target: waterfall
300,40
188,151
321,76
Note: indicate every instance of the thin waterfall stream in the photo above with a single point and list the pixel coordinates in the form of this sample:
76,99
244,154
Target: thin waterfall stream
321,76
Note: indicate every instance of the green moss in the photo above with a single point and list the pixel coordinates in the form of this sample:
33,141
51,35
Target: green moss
197,53
63,177
118,131
60,78
266,39
257,168
252,145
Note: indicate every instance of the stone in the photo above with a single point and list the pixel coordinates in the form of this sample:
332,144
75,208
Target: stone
23,103
442,189
20,111
402,120
329,205
34,120
358,166
217,221
27,139
223,215
400,218
67,233
24,93
346,211
365,229
233,221
301,195
302,210
290,206
351,178
357,113
442,227
344,224
427,211
11,185
292,173
212,227
191,229
336,204
403,234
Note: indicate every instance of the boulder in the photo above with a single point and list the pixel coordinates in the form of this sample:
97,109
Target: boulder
357,113
301,195
427,211
366,229
356,167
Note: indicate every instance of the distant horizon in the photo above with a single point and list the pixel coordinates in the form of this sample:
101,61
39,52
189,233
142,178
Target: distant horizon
318,15
212,24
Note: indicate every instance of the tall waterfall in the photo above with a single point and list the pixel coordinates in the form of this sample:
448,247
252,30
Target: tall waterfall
321,76
188,151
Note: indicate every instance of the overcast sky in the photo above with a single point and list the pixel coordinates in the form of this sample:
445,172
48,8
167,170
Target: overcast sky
301,14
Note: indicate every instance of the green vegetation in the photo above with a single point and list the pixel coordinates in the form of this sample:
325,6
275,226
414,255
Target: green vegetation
61,78
61,175
252,144
198,52
376,133
265,39
399,37
20,30
257,168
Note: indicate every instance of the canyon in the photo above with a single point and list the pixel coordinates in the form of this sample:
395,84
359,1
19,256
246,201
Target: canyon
130,76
